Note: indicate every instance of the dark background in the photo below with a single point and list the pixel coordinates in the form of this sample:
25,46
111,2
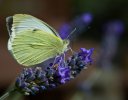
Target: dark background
107,77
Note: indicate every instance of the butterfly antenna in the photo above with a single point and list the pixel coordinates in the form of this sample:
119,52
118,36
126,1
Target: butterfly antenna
71,33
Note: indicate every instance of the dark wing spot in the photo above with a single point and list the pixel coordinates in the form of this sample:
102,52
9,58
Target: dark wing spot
34,30
9,21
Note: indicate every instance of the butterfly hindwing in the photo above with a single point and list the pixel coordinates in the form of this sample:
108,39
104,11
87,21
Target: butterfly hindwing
35,46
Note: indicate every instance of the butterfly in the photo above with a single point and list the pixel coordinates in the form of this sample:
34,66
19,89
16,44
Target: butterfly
32,41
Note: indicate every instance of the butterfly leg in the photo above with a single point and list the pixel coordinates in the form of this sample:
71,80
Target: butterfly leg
55,64
64,60
71,50
60,62
54,61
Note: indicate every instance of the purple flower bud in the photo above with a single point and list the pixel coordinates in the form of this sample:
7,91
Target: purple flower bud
65,30
63,73
43,87
114,27
35,89
87,18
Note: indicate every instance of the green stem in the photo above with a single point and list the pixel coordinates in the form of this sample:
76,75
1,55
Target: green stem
4,96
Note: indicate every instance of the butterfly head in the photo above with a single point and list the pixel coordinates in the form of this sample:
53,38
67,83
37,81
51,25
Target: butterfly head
65,44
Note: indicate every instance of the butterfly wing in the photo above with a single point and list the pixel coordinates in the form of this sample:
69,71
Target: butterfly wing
35,46
21,22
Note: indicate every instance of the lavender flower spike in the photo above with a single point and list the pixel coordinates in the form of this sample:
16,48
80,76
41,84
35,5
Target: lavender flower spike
34,80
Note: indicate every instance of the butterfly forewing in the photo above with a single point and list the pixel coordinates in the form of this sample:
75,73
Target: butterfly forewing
21,22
